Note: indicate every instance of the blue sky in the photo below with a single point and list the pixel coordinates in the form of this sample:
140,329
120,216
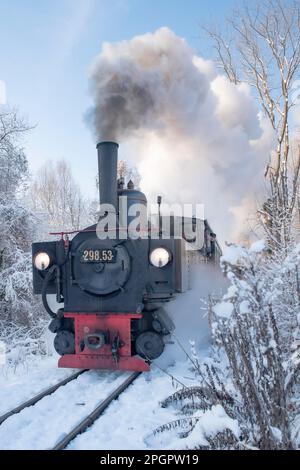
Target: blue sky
46,48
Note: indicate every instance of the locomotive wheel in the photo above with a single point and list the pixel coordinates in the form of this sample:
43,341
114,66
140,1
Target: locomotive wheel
64,342
149,345
55,325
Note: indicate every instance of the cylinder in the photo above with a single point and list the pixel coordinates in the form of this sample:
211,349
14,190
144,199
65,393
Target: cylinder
107,168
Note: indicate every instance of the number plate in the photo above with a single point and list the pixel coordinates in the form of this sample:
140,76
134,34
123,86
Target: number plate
99,256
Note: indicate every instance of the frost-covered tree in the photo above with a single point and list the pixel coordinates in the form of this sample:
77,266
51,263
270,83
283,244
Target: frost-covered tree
252,384
257,326
13,162
128,173
17,229
55,194
19,309
261,46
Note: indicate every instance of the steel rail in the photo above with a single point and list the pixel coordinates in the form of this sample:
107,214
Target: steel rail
94,415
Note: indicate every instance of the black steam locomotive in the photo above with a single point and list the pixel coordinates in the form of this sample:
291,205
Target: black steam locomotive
113,288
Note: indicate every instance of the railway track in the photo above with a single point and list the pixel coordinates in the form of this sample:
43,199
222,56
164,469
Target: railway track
95,414
84,423
39,396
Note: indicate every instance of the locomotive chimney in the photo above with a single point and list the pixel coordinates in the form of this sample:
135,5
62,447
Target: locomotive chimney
107,168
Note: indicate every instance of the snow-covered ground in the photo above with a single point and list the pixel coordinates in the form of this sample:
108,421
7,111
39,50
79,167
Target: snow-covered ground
126,424
23,382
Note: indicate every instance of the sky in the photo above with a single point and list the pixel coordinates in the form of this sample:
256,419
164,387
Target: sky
46,50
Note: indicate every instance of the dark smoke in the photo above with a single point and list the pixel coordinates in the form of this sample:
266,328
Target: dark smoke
149,82
122,107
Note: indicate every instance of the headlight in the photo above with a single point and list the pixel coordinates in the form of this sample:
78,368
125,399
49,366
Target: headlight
160,257
42,261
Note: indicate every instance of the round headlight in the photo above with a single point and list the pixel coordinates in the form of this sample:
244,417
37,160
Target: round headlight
42,261
160,257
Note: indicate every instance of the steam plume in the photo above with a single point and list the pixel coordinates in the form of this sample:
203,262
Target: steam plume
195,136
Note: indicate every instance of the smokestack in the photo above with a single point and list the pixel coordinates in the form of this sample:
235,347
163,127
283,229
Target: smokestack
107,168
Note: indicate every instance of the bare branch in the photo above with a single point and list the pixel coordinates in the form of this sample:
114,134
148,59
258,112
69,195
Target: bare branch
266,45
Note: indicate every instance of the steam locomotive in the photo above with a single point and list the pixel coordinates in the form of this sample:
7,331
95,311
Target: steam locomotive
114,288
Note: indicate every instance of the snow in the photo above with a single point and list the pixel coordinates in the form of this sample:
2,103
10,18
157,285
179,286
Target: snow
233,254
213,421
258,246
143,398
244,306
208,424
223,309
41,426
231,292
128,423
277,433
130,419
28,380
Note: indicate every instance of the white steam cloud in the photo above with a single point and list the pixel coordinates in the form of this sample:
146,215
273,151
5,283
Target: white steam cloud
193,135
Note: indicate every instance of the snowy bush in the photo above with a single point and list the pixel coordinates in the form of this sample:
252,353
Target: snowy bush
22,343
17,302
17,229
22,317
254,374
